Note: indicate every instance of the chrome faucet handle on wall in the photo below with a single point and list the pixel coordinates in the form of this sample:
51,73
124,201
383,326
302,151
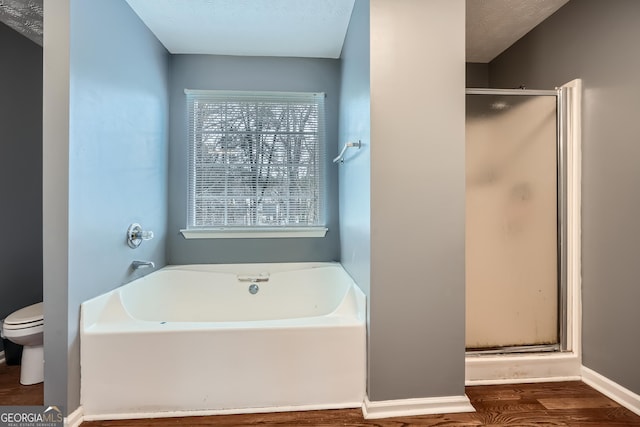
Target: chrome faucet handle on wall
135,235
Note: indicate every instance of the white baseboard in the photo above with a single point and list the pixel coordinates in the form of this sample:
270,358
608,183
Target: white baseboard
520,368
612,390
2,359
412,407
75,418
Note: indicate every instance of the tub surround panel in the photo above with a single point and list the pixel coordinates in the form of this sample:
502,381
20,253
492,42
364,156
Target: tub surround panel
266,378
259,74
596,41
20,171
416,338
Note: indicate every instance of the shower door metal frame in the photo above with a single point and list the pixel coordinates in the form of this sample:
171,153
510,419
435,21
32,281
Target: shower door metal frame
561,206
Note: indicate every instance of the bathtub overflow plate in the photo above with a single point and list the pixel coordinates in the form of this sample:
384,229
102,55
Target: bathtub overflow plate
254,288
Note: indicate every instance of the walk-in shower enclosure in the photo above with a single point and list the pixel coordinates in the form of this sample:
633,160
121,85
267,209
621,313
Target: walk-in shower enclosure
514,220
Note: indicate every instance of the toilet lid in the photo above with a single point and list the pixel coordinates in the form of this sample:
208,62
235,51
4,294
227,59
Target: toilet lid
29,314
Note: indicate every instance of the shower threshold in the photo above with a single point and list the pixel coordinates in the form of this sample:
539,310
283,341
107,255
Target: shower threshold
521,349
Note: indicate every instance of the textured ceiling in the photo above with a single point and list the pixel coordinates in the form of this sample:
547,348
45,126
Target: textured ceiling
494,25
24,16
303,28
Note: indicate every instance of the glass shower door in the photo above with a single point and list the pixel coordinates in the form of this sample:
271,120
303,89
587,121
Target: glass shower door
512,285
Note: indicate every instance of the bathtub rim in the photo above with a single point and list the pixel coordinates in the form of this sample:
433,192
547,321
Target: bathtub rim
94,323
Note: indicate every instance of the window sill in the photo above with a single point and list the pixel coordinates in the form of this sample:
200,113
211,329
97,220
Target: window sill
254,233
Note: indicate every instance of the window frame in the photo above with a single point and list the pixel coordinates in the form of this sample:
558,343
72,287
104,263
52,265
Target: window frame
192,231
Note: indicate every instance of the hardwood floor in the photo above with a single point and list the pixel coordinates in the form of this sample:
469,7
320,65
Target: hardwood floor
13,393
546,404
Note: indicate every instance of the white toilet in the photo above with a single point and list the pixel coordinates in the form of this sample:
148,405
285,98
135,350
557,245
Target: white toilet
25,327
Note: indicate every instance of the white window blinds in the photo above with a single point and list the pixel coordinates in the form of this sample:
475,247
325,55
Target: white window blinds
256,159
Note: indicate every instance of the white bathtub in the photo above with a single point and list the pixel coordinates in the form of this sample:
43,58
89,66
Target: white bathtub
192,340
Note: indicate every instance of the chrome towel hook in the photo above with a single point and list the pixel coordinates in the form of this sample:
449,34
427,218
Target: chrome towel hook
340,157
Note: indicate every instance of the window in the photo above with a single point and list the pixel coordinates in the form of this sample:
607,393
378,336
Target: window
256,162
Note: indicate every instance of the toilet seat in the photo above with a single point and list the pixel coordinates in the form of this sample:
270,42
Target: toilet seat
27,317
21,333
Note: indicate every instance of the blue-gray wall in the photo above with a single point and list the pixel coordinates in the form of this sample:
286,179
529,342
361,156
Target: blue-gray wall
117,79
20,171
355,125
248,73
597,41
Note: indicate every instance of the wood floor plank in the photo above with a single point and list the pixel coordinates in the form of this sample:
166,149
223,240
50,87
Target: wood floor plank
599,417
512,405
527,391
496,405
14,393
570,404
577,402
